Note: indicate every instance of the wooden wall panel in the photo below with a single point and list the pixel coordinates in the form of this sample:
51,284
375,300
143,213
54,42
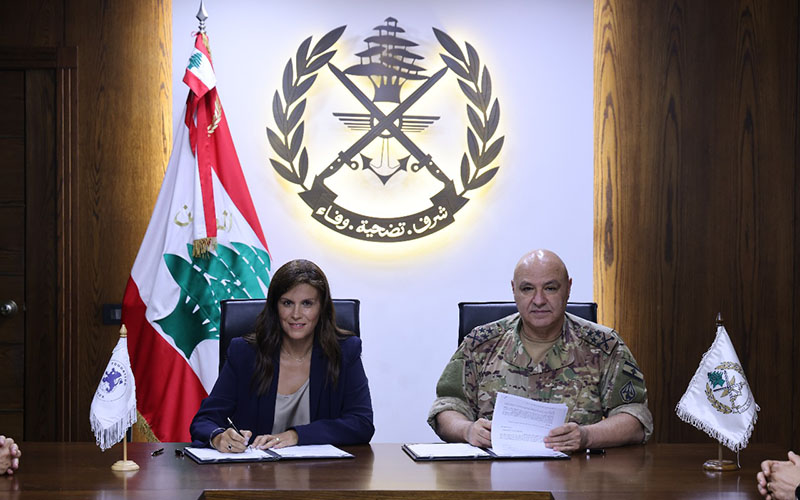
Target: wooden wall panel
113,103
794,385
695,193
41,350
32,23
67,241
125,134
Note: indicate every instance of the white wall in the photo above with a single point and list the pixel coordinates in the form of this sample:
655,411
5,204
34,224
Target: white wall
539,53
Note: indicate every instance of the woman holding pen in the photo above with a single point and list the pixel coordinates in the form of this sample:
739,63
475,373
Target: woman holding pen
298,379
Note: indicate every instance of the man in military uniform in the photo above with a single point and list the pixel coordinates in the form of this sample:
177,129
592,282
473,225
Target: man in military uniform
544,353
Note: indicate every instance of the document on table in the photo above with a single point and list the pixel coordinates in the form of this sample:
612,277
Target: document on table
311,451
519,426
445,451
210,455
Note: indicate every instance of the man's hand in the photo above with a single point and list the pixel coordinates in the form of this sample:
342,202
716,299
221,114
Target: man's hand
763,477
231,441
9,455
455,427
779,479
567,438
479,433
616,430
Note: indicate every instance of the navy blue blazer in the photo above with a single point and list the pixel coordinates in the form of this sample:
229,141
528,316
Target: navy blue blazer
340,415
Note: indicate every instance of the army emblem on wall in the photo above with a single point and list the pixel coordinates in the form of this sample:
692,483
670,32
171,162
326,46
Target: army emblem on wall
387,79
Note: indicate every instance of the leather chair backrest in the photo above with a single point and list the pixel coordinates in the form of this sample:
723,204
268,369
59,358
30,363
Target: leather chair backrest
472,314
238,317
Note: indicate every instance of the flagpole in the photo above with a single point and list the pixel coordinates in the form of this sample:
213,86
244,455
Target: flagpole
201,16
719,464
124,464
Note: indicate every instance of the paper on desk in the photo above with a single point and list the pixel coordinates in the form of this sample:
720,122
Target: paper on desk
250,454
311,451
519,426
446,450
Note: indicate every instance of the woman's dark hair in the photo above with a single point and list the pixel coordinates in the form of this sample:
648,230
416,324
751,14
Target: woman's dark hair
268,336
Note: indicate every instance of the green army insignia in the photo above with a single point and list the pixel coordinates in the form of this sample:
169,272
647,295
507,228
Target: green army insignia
725,393
628,392
632,371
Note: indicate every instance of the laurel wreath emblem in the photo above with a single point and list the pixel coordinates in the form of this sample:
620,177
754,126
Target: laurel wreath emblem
713,401
475,84
288,119
477,87
477,164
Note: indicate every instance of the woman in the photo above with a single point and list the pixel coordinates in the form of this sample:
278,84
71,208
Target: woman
298,379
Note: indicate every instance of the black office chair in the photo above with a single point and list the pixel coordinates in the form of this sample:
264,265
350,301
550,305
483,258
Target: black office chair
238,317
472,314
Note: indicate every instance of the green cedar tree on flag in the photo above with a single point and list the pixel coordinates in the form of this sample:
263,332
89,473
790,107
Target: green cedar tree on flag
203,244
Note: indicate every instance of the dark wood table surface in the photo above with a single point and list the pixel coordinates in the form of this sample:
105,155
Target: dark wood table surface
653,471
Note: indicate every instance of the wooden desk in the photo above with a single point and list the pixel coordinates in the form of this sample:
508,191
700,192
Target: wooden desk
653,471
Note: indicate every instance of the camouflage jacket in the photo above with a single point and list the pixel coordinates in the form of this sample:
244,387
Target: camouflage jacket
589,369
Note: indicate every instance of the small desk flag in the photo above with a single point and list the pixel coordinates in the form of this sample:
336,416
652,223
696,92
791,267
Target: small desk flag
718,400
113,408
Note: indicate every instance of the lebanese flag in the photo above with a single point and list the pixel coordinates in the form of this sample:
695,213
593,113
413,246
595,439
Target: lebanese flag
204,244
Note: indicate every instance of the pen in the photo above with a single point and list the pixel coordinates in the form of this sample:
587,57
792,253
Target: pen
157,452
233,426
595,451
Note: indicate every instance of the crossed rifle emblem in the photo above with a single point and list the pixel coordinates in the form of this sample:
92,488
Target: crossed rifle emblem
386,122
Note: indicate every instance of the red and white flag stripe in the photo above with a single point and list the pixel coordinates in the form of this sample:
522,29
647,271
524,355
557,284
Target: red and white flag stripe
204,207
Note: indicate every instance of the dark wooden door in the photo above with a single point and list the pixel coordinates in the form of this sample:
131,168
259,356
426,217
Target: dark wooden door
29,342
12,252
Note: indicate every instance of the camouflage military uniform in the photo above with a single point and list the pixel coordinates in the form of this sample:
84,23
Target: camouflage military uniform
589,369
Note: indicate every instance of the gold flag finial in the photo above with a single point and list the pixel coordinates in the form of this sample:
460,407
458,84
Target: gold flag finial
719,319
123,332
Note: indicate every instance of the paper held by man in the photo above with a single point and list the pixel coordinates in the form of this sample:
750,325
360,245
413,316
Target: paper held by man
519,426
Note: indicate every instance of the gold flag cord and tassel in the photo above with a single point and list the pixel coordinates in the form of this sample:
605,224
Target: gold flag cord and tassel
201,247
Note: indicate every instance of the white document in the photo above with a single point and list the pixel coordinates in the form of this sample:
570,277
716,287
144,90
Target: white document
209,454
311,451
446,450
519,426
251,454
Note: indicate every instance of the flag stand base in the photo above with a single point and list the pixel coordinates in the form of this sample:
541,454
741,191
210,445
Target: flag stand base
720,465
125,465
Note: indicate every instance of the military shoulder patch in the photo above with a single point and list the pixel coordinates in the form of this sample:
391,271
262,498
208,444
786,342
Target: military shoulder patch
606,341
632,371
483,333
628,392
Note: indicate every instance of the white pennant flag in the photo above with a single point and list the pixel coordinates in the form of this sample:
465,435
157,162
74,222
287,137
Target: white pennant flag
718,400
114,405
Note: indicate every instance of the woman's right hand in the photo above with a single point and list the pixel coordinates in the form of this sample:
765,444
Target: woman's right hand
231,441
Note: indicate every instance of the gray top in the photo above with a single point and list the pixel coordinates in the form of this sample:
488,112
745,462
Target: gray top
292,409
